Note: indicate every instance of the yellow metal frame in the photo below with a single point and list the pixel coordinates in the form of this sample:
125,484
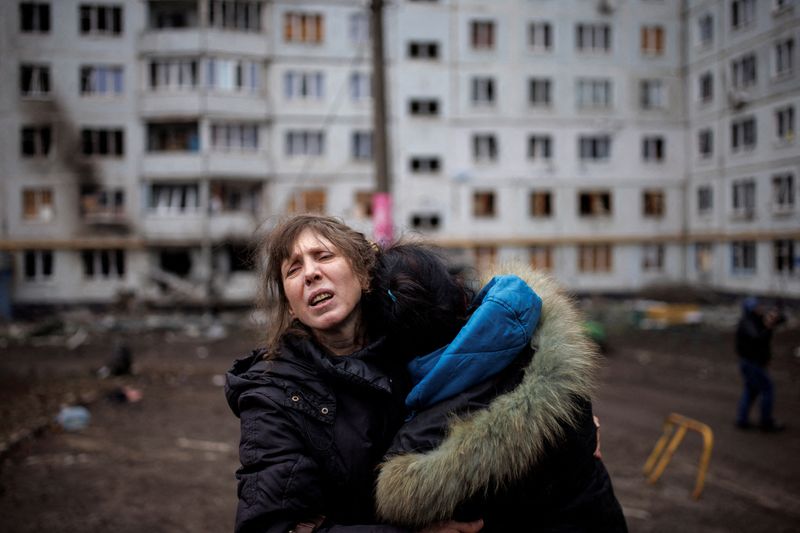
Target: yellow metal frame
662,452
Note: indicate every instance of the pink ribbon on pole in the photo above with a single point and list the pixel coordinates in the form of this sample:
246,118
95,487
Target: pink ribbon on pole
382,217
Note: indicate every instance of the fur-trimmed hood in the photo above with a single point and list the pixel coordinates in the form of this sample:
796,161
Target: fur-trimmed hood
506,312
501,443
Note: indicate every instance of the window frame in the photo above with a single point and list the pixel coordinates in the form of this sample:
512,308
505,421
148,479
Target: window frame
91,15
38,205
540,203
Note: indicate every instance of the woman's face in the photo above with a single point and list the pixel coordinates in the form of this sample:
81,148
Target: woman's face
321,288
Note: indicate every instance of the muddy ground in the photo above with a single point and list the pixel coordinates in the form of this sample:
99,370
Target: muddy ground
166,463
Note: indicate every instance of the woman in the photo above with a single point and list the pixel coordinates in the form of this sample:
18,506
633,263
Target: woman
497,431
321,402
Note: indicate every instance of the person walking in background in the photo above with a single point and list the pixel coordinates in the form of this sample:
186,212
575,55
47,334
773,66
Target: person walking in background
753,346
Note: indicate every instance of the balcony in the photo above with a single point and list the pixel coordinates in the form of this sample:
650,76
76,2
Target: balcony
234,209
103,207
193,102
239,164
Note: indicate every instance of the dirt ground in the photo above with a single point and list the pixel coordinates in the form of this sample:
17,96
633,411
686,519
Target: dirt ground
166,463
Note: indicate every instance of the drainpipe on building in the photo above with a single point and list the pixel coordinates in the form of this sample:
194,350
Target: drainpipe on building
382,199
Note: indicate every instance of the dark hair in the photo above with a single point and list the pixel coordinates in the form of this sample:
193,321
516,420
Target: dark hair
415,300
278,245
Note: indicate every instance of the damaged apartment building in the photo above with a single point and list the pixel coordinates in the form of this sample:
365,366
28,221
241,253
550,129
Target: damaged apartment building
618,143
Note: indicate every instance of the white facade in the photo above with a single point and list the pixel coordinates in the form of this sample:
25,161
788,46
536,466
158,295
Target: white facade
147,141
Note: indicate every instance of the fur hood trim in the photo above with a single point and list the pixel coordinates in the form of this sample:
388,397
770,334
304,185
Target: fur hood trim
500,444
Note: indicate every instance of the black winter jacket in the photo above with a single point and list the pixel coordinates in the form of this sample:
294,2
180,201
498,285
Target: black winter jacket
753,339
313,428
569,490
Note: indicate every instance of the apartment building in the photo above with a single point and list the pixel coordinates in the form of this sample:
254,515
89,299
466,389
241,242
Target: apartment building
618,143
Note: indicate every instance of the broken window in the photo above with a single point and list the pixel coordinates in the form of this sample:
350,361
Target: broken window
234,136
783,251
174,198
539,91
34,17
423,49
101,202
173,14
784,124
36,140
743,257
103,263
38,265
705,143
594,203
34,80
593,37
303,85
485,258
482,34
37,204
484,148
540,36
653,148
425,221
361,145
102,142
540,147
176,261
594,257
423,107
652,94
653,203
363,204
241,15
703,257
652,40
594,93
101,80
235,197
300,27
483,204
541,204
307,201
100,19
305,142
173,137
705,199
424,165
541,257
653,257
744,198
171,74
239,257
783,193
483,92
594,147
224,74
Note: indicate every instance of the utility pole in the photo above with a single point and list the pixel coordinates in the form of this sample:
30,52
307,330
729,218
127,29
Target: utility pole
382,199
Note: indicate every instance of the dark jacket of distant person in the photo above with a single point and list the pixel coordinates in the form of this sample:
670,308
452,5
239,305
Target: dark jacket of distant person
753,337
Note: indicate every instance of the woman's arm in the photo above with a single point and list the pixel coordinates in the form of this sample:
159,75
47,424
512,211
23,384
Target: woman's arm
280,485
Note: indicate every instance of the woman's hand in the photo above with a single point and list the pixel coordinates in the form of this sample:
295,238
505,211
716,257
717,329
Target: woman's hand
597,453
454,527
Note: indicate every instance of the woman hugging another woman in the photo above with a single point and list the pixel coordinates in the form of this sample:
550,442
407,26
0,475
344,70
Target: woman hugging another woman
383,384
